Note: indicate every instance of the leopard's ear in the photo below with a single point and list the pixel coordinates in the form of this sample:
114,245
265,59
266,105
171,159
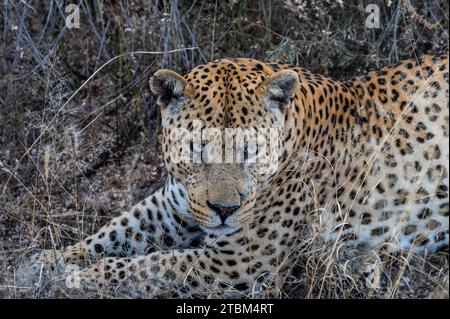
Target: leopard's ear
280,89
167,86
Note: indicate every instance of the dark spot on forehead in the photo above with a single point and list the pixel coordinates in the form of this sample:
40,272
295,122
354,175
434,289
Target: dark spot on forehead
225,92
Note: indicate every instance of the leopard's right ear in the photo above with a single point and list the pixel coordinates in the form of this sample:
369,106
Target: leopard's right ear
280,89
167,86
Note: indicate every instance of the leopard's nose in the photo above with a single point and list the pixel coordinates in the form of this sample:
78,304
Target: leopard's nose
222,210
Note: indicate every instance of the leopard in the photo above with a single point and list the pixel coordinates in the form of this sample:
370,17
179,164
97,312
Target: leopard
362,161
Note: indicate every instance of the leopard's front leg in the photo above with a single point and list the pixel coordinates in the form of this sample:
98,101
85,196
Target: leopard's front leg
156,223
194,271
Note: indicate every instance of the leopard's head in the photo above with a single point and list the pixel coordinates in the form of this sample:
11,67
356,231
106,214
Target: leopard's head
223,127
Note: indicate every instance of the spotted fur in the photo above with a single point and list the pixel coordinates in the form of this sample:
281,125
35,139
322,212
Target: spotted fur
364,161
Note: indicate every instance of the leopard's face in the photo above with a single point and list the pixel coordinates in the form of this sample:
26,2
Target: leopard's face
222,136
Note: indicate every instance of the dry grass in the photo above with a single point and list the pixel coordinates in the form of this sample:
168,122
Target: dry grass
68,165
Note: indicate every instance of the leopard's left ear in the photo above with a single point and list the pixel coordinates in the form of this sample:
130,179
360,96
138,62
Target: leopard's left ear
167,86
281,88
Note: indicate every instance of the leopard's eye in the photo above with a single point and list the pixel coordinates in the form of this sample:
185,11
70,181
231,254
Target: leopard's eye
250,153
252,149
197,147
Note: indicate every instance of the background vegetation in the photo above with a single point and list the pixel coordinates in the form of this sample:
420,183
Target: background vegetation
68,167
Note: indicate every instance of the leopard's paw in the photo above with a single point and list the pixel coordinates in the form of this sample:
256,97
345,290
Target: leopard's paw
41,268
